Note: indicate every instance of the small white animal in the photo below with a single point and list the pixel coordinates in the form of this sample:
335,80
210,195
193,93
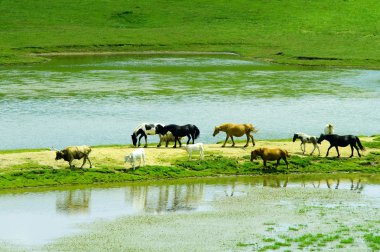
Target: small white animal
329,129
134,156
195,147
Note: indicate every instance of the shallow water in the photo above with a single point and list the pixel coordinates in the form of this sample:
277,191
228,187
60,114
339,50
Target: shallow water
100,100
39,217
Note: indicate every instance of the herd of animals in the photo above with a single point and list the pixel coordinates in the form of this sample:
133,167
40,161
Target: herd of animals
173,132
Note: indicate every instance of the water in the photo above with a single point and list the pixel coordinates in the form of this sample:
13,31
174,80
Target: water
100,100
39,217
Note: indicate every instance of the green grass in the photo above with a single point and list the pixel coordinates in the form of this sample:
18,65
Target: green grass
343,33
32,174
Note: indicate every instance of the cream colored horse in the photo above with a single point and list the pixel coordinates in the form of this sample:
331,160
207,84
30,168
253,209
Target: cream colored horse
236,130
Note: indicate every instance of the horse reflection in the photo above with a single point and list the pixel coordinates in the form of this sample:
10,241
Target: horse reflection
73,201
165,198
275,182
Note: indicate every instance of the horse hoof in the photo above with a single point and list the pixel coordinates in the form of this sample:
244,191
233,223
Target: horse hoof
223,146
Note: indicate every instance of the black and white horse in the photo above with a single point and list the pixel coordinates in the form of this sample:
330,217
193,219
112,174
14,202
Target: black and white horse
189,130
342,141
143,130
307,139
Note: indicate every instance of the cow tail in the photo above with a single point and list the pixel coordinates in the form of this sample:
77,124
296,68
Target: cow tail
197,132
360,144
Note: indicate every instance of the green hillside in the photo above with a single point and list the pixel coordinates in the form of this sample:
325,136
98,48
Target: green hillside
323,32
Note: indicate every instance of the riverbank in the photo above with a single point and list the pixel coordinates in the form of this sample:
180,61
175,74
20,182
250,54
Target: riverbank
344,34
35,168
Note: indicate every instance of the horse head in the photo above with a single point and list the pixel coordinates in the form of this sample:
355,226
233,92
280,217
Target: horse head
134,139
321,138
295,136
216,131
161,129
255,153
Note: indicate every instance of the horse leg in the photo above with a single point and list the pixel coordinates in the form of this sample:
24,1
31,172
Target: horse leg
253,141
179,141
352,150
313,149
146,142
175,142
233,142
141,136
337,150
301,148
286,162
328,150
304,148
319,152
357,149
159,144
278,162
247,141
225,141
188,139
265,163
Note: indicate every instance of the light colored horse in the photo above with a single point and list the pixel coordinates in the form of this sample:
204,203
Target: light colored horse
236,130
329,129
195,147
138,154
307,139
168,137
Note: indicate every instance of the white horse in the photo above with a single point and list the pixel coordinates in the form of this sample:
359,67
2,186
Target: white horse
329,129
195,147
144,130
307,139
138,154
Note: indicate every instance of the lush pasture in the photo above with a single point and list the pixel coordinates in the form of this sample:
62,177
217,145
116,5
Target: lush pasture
342,33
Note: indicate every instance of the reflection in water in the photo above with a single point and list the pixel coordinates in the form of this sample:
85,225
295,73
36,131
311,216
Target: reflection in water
73,201
39,217
165,198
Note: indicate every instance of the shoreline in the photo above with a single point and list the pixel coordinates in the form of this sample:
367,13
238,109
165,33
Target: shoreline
38,168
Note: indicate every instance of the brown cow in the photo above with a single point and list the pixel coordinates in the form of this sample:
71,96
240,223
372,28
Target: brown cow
236,130
74,152
270,154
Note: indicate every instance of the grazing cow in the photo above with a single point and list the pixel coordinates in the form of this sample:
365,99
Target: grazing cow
270,154
138,154
74,152
236,130
195,147
329,129
168,137
342,141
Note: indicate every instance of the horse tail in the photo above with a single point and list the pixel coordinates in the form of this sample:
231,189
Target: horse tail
360,144
197,132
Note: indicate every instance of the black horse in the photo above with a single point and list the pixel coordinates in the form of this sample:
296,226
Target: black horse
342,141
189,130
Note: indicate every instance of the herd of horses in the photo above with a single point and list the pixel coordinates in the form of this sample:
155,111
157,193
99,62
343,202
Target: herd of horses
175,133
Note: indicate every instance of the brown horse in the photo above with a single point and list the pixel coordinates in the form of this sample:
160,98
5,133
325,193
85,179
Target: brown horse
236,130
270,154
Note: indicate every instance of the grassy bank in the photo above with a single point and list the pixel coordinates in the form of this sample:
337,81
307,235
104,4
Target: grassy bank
34,168
340,33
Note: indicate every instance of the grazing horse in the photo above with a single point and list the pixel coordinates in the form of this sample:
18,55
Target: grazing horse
236,130
307,139
189,130
329,129
342,141
270,154
144,130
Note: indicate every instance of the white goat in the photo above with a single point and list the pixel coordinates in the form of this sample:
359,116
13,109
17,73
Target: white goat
329,129
136,154
195,147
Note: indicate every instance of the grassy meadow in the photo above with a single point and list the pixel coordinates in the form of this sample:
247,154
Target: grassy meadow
332,33
36,168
